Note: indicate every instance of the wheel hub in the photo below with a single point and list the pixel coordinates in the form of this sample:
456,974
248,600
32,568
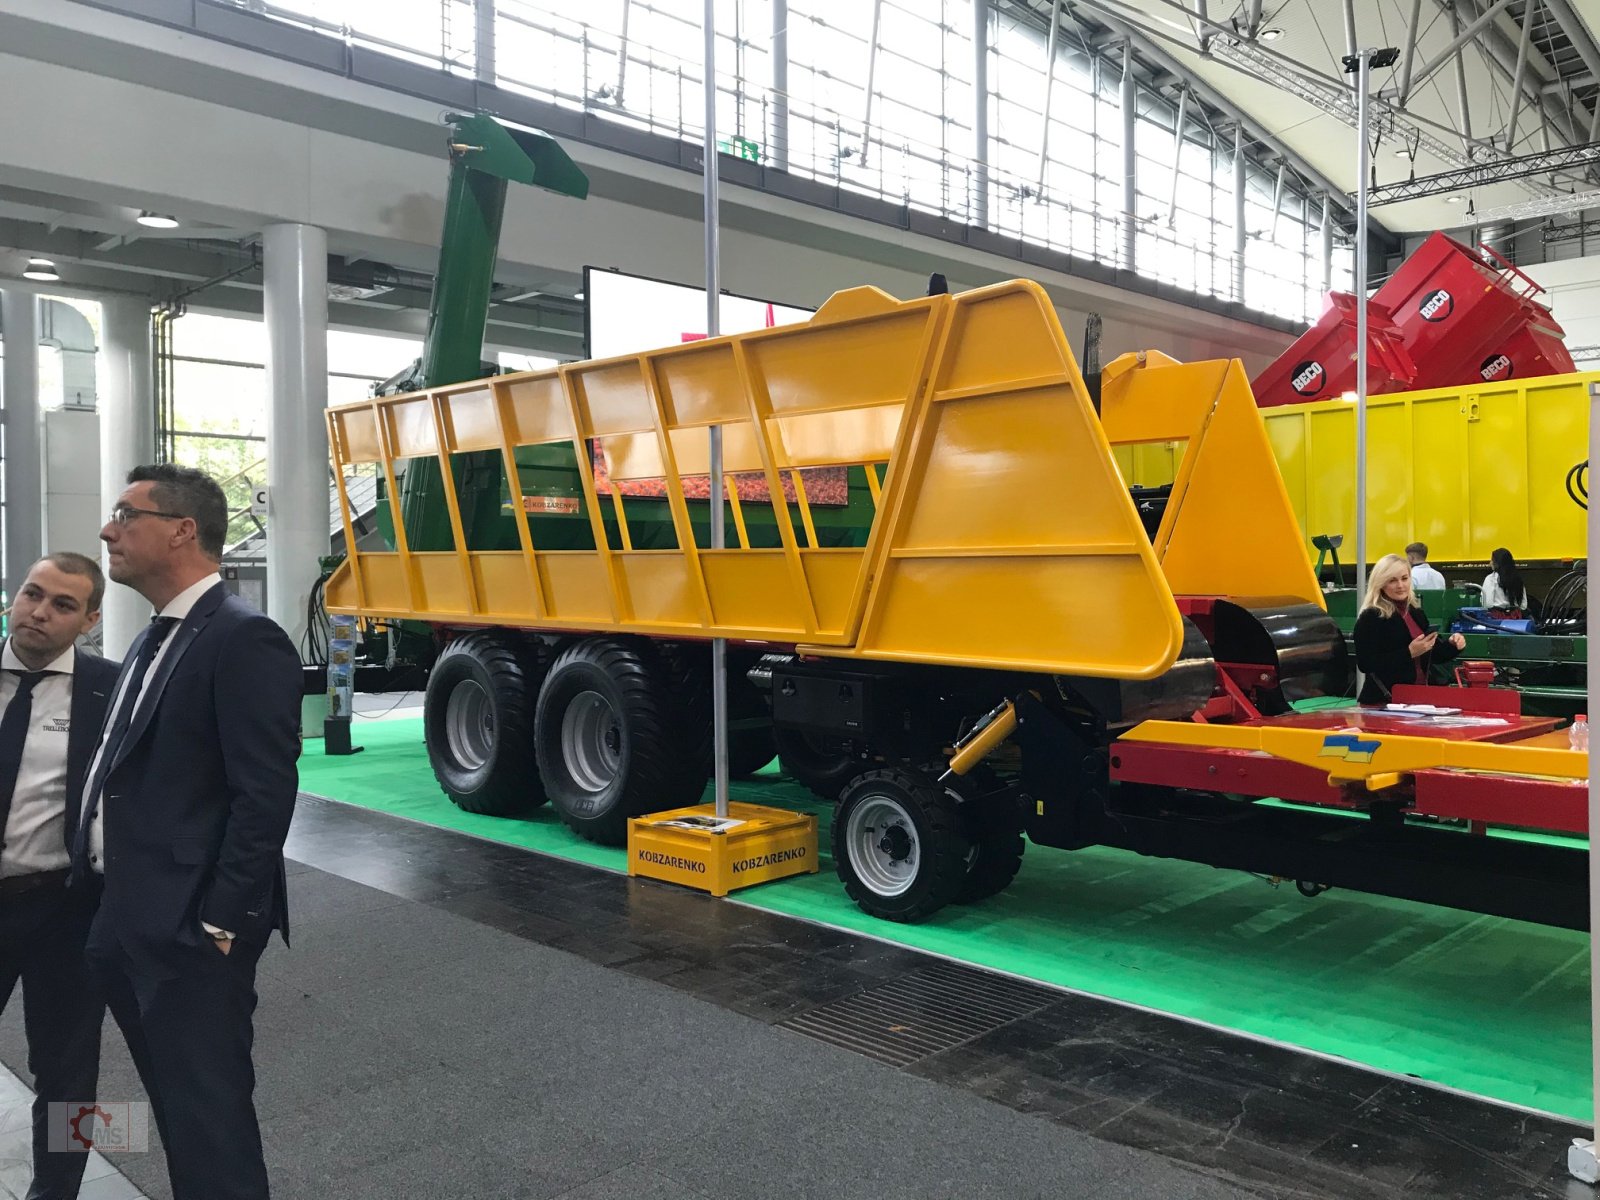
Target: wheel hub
591,741
883,845
469,724
895,843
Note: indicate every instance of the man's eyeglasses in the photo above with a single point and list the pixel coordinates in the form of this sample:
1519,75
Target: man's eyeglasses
123,513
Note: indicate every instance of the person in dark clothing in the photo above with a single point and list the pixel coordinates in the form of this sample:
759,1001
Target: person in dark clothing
185,809
1394,642
53,698
1504,593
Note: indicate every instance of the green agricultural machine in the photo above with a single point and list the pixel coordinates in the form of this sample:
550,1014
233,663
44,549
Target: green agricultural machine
485,157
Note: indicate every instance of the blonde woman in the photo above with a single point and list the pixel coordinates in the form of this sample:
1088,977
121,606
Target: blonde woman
1394,642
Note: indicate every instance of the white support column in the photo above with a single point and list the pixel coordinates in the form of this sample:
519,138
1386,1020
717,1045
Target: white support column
1327,244
1130,184
1582,1161
483,57
295,302
1363,168
1239,242
979,200
127,440
778,134
24,523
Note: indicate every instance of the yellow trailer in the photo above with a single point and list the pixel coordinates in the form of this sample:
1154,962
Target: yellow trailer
1009,580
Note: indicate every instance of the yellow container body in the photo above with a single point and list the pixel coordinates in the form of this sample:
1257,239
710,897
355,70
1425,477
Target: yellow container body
769,843
1463,470
1003,533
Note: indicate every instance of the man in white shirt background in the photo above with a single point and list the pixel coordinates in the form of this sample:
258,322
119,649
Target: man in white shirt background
1423,577
53,699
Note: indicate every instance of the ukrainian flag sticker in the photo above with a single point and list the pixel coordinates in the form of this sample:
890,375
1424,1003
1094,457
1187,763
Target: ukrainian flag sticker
1349,747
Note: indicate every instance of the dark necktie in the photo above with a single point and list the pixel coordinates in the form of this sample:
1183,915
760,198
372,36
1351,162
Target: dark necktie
128,702
13,736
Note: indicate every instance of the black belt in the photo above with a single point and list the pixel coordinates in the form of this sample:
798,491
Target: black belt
17,885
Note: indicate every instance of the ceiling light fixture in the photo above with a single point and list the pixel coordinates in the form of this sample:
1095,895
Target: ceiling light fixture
152,220
1403,152
41,269
1454,199
1271,35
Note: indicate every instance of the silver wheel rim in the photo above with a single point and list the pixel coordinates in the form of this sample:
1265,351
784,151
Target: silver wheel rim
469,724
881,840
591,741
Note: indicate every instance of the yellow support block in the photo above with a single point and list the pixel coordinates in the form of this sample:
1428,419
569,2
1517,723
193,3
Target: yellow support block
693,847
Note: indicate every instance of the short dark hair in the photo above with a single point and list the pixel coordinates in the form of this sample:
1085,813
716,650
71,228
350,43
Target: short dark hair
191,493
72,563
1420,549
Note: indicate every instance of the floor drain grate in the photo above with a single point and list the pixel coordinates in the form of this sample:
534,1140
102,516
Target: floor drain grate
925,1011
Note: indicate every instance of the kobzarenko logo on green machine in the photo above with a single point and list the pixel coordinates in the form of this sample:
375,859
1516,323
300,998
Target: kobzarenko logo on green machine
672,860
768,860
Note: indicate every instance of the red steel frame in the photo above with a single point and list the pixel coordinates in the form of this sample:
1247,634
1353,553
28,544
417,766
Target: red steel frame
1552,805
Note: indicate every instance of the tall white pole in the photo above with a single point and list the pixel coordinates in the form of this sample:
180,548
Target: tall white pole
294,264
24,523
127,440
1362,74
1581,1159
719,646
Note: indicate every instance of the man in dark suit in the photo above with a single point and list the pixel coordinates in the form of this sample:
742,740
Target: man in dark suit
53,698
185,813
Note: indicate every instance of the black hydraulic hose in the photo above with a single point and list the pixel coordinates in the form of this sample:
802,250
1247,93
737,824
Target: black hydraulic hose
1578,484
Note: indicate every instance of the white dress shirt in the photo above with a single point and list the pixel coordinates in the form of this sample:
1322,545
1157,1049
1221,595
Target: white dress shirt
1494,596
33,833
1425,578
177,607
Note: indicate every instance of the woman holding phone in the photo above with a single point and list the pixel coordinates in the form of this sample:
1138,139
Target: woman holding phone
1394,642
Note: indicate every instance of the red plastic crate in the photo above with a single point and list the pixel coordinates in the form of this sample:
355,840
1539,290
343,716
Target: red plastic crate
1321,363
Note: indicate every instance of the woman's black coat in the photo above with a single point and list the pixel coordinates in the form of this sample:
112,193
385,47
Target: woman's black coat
1383,652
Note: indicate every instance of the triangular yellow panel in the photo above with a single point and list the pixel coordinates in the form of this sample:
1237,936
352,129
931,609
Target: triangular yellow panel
1011,541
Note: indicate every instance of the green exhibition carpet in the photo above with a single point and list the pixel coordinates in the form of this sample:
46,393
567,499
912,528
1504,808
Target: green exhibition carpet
1494,1007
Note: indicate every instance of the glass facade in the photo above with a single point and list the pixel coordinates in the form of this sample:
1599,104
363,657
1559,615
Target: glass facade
878,97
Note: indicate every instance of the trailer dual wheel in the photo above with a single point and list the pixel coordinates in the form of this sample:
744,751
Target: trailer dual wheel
994,825
821,763
610,737
900,844
478,720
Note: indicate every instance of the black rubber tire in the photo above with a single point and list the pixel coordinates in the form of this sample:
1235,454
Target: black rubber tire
507,669
994,824
749,750
820,763
685,671
753,744
654,770
943,845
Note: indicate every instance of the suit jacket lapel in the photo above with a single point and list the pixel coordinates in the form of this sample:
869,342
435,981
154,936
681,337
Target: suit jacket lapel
182,638
83,736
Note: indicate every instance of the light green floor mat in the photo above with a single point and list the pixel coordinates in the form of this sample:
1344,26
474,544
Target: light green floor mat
1490,1006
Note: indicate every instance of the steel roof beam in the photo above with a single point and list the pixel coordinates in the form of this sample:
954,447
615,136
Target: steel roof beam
1482,174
